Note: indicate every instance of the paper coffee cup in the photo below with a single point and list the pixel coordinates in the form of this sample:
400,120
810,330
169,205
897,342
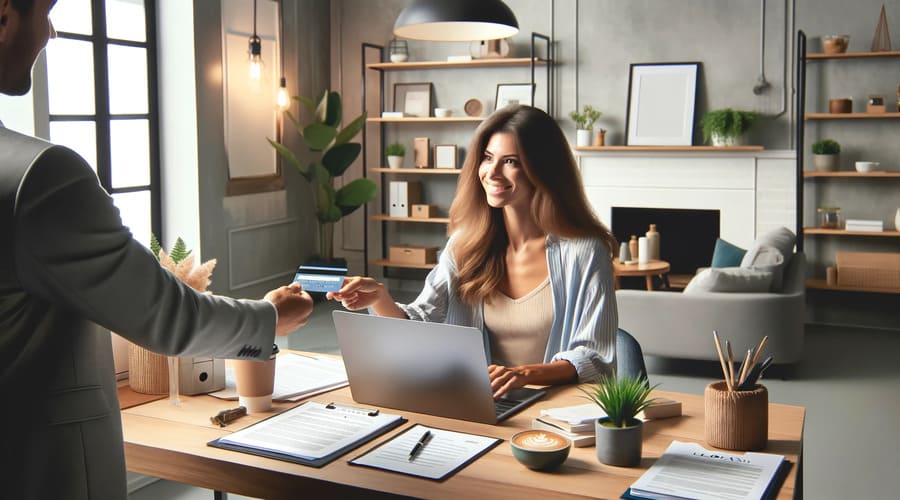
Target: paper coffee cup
255,381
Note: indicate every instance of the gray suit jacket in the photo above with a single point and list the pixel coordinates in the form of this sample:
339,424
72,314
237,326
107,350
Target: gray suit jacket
69,273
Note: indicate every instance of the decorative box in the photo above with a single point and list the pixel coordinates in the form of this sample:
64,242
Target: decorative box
408,254
868,269
422,211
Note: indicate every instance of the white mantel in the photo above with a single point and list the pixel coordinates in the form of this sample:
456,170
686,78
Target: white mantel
753,190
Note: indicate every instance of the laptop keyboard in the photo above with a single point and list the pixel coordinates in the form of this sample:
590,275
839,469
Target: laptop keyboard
502,405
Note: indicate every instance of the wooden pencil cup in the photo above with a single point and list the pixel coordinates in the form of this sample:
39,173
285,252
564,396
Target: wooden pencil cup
736,420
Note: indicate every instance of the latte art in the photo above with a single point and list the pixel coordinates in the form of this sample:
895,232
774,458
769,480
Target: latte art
540,440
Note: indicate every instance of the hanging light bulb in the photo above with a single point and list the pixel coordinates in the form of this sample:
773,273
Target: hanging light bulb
283,99
255,50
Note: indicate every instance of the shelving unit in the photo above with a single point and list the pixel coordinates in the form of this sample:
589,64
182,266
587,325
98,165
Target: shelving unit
812,176
379,214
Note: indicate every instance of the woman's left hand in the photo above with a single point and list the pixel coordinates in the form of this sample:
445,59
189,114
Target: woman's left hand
504,378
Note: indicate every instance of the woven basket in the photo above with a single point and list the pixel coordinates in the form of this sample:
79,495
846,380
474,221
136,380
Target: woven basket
148,372
736,420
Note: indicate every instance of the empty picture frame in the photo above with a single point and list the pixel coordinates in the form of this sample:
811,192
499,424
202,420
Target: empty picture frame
661,102
445,156
413,99
513,93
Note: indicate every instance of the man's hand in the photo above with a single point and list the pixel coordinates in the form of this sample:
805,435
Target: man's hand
293,305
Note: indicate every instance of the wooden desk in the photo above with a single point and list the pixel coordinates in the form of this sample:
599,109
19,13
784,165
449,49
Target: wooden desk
170,442
648,271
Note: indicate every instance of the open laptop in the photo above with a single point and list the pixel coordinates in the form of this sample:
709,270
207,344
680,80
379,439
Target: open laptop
430,368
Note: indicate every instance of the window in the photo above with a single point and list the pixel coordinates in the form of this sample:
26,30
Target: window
101,81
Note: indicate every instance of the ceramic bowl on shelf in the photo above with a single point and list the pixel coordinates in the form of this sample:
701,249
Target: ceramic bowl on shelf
442,112
835,44
866,166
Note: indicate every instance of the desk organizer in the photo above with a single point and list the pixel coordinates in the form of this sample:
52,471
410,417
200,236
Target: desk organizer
148,372
736,420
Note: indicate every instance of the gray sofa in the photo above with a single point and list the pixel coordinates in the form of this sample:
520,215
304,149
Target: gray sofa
679,325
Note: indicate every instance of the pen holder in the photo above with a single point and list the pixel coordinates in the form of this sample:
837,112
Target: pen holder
736,420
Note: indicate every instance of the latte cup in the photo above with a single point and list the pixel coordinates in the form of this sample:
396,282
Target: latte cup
255,381
540,449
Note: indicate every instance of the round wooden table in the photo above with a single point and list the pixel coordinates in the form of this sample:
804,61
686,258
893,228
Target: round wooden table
648,270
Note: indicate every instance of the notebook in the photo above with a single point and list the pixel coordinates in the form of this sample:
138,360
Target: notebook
422,367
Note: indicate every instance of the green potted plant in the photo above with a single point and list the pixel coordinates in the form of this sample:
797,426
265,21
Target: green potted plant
726,127
619,435
584,124
395,153
826,155
331,152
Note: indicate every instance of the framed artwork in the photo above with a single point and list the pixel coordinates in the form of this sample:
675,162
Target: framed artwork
514,93
445,156
413,99
661,102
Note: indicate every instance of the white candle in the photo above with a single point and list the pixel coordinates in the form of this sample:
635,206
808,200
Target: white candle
643,250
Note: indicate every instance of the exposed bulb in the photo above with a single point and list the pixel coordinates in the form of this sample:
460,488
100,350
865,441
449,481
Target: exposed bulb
255,53
282,99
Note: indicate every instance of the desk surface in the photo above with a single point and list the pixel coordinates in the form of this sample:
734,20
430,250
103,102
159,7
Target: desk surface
170,442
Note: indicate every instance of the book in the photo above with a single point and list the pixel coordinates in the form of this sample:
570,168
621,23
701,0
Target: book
578,439
392,114
580,418
312,433
459,58
864,225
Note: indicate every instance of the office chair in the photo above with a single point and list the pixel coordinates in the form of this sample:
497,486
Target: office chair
629,356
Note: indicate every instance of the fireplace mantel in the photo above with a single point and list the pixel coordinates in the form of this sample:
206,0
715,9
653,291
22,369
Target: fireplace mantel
754,190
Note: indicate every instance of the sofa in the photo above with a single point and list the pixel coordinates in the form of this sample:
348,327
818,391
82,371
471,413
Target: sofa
680,325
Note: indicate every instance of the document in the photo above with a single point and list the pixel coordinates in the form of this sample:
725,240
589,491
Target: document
687,470
312,433
442,454
296,377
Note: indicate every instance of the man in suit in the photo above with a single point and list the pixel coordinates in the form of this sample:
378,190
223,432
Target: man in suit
69,273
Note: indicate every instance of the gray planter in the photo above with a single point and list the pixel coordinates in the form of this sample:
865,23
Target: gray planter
826,163
619,446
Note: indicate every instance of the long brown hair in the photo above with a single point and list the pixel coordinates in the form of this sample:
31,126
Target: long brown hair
559,205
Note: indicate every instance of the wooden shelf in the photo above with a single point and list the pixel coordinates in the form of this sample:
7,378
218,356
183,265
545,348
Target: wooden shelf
853,55
844,232
851,116
506,62
432,220
851,174
385,262
427,119
669,148
426,171
823,285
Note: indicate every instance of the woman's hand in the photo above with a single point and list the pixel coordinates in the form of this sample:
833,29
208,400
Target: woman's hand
505,378
360,292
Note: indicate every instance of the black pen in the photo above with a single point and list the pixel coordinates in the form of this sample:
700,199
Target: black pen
419,445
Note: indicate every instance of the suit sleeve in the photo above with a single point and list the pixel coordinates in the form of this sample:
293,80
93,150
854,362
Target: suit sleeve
72,250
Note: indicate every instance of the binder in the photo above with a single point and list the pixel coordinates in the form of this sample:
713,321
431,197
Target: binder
337,429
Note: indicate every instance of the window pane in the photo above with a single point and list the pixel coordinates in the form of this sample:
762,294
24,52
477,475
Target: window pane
130,148
125,20
134,208
127,80
81,137
73,16
70,77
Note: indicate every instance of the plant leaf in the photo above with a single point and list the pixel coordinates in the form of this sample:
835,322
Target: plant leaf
287,154
350,131
155,247
340,157
307,103
328,211
355,194
318,136
333,111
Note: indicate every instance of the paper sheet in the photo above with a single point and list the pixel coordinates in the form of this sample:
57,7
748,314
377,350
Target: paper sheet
296,377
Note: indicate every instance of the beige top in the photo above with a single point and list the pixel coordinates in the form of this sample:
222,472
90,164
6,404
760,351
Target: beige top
519,328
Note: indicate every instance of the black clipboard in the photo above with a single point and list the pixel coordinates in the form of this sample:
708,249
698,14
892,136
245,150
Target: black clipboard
369,435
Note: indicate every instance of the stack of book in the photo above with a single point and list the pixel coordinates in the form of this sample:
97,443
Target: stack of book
577,422
864,225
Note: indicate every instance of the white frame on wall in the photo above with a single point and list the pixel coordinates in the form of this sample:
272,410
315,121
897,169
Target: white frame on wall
661,104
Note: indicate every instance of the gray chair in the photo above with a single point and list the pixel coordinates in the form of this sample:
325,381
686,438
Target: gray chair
629,356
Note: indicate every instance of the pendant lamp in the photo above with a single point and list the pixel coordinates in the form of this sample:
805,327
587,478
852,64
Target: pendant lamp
255,50
456,20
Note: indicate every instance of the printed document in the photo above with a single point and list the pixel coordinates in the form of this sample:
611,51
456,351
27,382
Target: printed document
296,377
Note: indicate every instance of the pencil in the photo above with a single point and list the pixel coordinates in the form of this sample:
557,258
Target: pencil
721,359
744,367
762,343
730,362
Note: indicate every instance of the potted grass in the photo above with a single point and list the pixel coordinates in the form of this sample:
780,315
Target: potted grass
584,124
619,435
395,153
826,155
726,127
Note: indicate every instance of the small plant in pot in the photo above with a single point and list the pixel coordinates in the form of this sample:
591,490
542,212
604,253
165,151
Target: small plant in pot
395,153
584,124
726,127
619,435
826,155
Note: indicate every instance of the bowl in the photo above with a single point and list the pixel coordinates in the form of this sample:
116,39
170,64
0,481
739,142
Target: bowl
866,166
442,112
540,449
473,107
835,44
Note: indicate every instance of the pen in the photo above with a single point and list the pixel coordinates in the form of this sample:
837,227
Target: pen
419,445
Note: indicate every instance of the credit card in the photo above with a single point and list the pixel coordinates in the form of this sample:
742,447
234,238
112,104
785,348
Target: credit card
320,278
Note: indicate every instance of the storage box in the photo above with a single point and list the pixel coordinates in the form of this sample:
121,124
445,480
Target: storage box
408,254
403,194
868,269
422,212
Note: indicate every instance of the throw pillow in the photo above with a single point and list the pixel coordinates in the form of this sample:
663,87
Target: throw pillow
727,254
761,255
730,279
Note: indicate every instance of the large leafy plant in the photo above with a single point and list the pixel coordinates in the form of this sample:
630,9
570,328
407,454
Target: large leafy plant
620,398
331,153
726,123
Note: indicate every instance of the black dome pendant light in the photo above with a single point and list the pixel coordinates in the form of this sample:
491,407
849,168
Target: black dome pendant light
456,20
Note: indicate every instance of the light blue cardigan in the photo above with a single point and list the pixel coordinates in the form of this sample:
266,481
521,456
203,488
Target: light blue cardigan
584,304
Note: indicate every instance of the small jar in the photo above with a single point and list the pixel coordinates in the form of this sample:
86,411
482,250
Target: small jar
829,217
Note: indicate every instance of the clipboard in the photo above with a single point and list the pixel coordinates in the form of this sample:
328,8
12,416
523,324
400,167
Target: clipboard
312,433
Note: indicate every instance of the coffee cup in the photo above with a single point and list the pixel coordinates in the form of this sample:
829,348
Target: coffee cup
255,381
540,449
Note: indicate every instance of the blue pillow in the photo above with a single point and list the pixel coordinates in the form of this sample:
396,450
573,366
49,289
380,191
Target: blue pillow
726,254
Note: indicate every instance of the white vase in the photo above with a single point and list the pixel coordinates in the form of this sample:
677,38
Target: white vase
897,220
826,163
720,141
582,138
395,161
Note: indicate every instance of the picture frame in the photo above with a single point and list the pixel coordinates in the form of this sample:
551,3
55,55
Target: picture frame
662,99
445,156
514,93
413,99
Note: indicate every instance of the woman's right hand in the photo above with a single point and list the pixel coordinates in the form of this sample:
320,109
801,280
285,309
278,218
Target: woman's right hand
360,292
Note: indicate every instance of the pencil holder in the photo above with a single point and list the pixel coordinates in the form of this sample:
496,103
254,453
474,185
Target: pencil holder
736,420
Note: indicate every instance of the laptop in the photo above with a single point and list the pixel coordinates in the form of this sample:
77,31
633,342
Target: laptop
422,367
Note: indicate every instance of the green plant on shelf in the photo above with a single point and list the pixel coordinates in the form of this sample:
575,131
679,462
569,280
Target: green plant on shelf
585,120
395,149
726,123
826,147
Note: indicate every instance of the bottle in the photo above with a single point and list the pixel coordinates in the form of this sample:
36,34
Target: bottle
643,250
653,242
633,247
624,254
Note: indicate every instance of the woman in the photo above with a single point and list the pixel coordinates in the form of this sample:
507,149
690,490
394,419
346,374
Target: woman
527,262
